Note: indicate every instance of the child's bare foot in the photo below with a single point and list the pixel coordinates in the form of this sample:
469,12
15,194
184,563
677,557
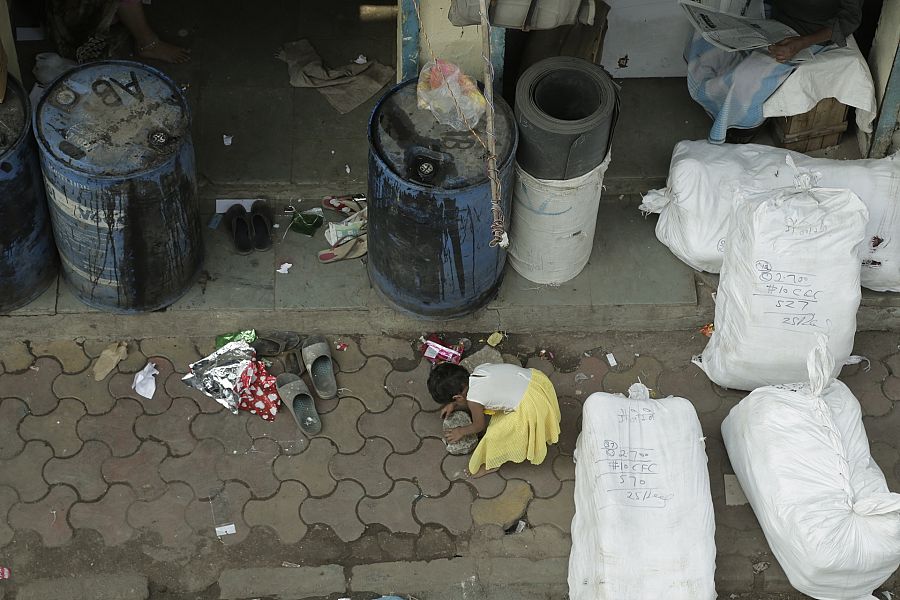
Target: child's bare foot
164,51
482,472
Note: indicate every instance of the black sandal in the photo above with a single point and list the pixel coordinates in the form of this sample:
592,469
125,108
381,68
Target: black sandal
241,229
261,217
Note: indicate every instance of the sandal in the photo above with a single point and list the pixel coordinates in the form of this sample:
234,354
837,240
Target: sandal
241,229
296,397
317,357
261,218
346,205
354,248
273,343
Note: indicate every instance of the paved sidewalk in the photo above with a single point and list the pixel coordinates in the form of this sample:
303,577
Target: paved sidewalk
96,480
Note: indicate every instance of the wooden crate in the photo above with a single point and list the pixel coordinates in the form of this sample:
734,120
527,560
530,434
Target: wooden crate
822,127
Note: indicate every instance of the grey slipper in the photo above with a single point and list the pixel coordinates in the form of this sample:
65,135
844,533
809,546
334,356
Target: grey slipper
296,397
317,358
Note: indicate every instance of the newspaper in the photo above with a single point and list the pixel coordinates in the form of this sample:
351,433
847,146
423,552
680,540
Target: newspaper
731,32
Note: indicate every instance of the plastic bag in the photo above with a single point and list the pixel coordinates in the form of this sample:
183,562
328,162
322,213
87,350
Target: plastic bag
695,207
451,96
802,458
791,271
643,525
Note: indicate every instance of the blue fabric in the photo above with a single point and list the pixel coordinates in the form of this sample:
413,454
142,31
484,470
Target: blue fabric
732,86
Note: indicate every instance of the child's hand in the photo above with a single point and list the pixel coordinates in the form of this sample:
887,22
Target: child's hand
447,410
454,435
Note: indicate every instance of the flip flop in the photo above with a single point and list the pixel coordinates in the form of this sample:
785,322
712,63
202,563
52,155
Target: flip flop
296,397
346,205
317,358
261,218
241,229
273,343
355,248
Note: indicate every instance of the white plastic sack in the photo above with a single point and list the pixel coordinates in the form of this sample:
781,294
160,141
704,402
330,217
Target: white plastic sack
553,224
801,455
695,206
643,525
791,271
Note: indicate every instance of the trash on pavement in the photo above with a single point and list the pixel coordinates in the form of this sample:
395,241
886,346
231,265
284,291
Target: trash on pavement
308,221
546,354
247,335
520,526
495,338
708,329
5,573
144,383
341,346
437,350
579,377
347,168
217,374
108,359
361,59
215,221
611,359
351,227
227,529
760,566
284,268
227,139
292,565
256,389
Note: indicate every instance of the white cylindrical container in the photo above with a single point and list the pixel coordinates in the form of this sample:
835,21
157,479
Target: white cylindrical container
553,223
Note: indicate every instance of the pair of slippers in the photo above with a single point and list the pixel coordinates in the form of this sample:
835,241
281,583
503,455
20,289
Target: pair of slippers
314,358
354,248
250,231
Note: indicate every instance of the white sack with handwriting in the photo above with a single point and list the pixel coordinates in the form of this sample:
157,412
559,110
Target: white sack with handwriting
791,271
802,457
643,525
695,207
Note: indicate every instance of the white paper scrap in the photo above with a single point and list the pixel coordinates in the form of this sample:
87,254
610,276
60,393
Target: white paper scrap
284,268
144,382
226,529
227,139
611,359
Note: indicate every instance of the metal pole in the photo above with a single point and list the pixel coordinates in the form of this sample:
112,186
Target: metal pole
500,237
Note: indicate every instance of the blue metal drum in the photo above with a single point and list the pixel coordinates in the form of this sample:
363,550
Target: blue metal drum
121,184
28,260
430,207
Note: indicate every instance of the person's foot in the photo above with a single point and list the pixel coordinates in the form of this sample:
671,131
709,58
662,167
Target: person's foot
164,51
482,472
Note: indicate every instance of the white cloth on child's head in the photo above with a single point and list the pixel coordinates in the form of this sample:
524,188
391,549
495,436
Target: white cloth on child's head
498,387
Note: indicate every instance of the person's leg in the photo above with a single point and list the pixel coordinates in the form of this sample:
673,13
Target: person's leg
146,42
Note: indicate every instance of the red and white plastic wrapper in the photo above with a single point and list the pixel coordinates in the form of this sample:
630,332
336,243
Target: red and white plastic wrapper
438,351
4,573
257,392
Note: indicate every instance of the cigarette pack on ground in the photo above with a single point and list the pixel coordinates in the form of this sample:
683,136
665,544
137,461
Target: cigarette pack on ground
437,351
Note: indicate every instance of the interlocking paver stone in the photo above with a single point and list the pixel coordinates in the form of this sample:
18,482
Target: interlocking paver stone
8,498
120,387
224,507
891,388
427,424
887,457
310,467
387,346
107,515
280,513
23,472
455,468
543,365
505,509
645,369
395,424
179,351
253,467
34,386
423,467
67,352
570,424
338,510
368,384
282,430
543,480
365,467
867,387
172,427
115,428
452,510
140,470
93,394
229,429
196,469
394,511
81,471
14,356
564,467
49,516
57,428
350,360
690,383
164,516
176,388
892,362
594,368
339,425
557,510
413,383
12,411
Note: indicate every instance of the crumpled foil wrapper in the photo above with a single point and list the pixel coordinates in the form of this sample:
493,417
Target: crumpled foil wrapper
218,374
247,335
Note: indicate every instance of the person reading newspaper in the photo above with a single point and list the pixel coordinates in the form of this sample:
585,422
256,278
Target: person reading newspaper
735,63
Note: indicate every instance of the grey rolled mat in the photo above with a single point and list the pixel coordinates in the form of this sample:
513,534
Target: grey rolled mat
566,110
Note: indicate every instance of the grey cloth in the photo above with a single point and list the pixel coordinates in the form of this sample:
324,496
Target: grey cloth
344,88
810,16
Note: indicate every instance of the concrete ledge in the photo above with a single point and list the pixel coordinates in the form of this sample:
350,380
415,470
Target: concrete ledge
90,587
293,583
